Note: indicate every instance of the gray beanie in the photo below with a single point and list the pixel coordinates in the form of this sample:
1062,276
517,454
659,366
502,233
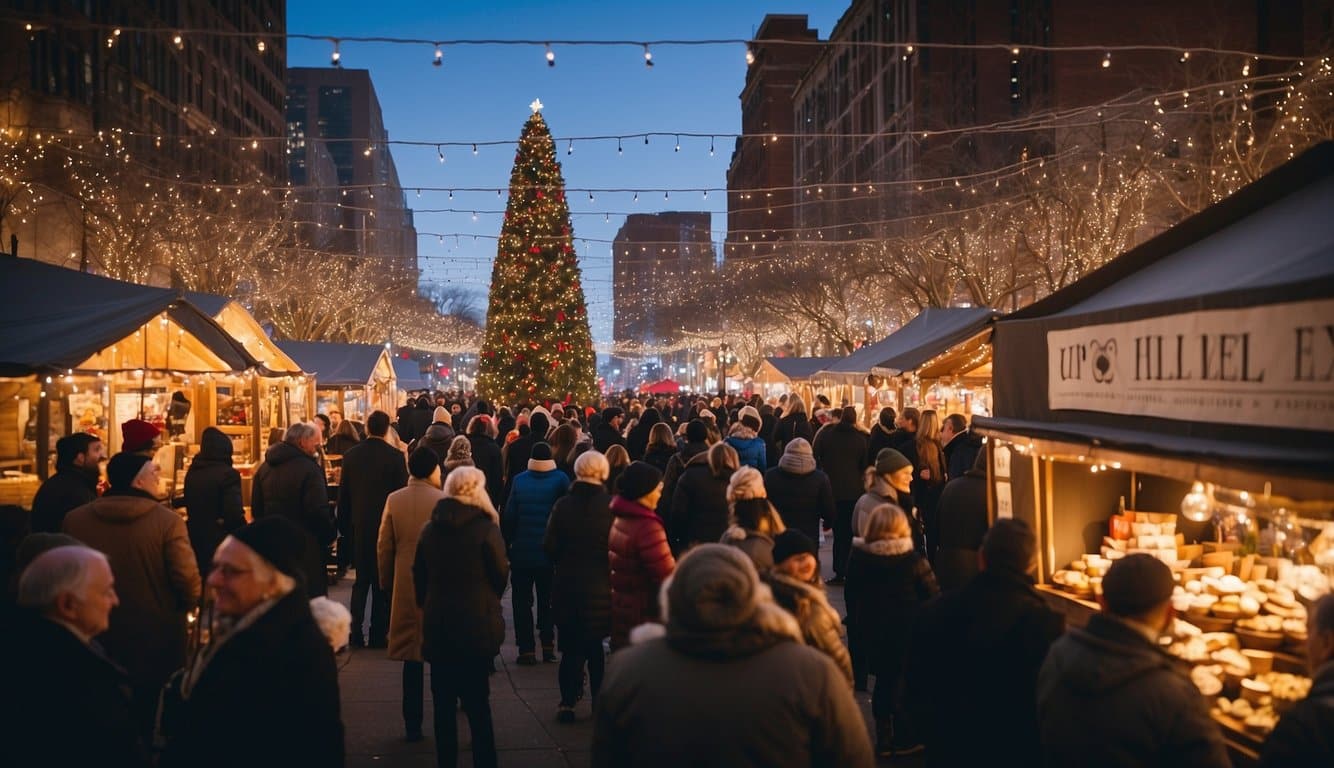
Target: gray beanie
715,587
797,457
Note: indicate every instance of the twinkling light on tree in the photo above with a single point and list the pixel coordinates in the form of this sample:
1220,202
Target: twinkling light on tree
537,345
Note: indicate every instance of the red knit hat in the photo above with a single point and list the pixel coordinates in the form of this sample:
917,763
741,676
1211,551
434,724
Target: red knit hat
137,434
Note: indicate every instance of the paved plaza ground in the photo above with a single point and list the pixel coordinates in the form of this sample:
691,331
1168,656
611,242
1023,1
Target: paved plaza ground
523,703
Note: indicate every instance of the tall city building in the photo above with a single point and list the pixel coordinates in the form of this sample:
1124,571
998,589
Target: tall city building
654,256
759,179
201,95
867,114
341,168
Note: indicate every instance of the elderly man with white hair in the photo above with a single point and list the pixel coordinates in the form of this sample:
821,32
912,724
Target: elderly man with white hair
157,575
73,703
264,691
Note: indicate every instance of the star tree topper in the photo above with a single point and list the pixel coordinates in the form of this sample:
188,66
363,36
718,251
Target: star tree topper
536,106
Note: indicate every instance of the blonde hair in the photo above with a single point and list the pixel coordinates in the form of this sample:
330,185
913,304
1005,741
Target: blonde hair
885,521
617,456
661,434
795,405
723,459
468,485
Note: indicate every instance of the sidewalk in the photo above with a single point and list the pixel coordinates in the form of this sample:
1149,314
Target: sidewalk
523,704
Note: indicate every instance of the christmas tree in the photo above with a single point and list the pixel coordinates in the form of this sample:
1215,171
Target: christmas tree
538,347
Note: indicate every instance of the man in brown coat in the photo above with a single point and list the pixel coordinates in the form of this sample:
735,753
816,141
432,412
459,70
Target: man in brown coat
157,578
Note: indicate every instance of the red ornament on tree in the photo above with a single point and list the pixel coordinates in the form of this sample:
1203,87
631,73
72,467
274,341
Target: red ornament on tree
560,317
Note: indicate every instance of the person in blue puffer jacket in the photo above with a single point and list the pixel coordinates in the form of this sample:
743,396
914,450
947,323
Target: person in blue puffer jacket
524,524
744,438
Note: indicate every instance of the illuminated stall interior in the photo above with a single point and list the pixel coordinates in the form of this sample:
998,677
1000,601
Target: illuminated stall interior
356,379
251,409
87,353
1178,402
941,360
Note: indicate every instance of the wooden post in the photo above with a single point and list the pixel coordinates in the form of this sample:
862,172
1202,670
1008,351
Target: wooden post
43,429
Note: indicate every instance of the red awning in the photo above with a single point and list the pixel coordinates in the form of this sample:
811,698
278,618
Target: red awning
664,387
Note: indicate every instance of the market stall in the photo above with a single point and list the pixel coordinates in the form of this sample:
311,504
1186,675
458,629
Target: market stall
1179,402
778,376
87,353
663,387
355,379
249,407
410,377
941,359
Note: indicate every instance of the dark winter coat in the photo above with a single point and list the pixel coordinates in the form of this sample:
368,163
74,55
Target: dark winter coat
419,419
926,495
961,453
403,422
887,584
802,500
61,492
460,573
640,560
881,438
1305,734
277,675
1107,685
338,445
605,436
372,470
524,520
821,625
840,450
758,546
789,428
659,456
576,543
672,474
437,437
157,581
636,443
486,457
962,509
69,704
699,504
779,704
974,659
212,497
291,484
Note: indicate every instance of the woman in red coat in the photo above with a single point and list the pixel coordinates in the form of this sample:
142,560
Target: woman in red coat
640,558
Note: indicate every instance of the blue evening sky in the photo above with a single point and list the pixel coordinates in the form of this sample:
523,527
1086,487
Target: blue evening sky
482,93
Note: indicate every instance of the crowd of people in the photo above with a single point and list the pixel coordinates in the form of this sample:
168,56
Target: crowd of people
680,534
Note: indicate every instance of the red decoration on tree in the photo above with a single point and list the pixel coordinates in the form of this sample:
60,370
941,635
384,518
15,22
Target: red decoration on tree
534,249
560,317
540,195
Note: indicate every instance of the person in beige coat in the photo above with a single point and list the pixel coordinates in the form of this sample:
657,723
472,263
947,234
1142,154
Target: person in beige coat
406,511
157,577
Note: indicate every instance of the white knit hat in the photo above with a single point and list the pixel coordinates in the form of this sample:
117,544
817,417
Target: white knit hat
750,411
746,483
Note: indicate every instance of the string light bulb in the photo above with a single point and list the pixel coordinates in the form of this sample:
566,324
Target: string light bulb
619,149
178,41
261,46
750,55
1107,60
439,56
474,149
678,144
551,56
336,58
440,152
569,148
648,57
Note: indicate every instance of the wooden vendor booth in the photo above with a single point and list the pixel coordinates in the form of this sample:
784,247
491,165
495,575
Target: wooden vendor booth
940,360
249,408
1179,402
778,376
87,353
356,379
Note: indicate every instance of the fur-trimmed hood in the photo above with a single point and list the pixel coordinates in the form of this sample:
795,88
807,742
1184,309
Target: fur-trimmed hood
884,546
741,432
